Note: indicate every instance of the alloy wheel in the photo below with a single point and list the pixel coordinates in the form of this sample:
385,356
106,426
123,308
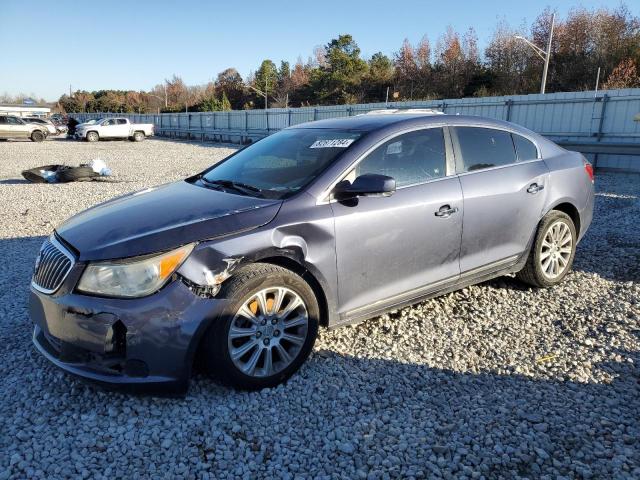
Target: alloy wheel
268,332
557,247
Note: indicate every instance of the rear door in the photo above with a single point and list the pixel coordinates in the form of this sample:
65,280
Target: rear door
123,128
390,248
504,195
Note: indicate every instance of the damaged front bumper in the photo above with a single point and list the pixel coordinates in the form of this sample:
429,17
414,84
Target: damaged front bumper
147,342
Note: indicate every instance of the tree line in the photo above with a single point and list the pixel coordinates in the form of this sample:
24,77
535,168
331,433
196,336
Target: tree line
455,67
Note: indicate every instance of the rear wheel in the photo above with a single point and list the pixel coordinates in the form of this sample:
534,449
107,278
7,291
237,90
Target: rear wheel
266,332
93,137
553,251
37,136
138,136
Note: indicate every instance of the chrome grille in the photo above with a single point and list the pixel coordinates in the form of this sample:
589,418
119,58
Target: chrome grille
52,266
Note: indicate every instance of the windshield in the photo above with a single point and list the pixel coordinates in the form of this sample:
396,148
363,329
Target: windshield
282,163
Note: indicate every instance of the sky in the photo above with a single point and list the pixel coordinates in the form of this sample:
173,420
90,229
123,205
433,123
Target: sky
114,44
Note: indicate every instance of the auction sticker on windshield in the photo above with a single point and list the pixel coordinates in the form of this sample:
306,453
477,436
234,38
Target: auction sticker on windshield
334,143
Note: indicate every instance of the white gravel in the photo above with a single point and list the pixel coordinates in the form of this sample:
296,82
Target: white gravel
495,381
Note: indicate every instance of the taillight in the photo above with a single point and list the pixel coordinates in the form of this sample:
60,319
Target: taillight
589,169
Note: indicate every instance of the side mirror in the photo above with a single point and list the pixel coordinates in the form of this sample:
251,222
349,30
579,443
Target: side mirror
369,184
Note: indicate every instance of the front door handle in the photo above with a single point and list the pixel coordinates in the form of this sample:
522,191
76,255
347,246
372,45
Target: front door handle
535,188
446,211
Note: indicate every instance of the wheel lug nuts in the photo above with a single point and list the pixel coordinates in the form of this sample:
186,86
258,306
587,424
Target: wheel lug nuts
266,341
276,333
274,321
263,322
258,334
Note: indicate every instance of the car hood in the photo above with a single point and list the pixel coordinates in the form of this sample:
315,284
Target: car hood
162,218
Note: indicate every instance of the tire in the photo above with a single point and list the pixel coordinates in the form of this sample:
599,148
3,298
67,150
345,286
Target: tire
76,173
241,289
539,271
93,137
37,136
138,136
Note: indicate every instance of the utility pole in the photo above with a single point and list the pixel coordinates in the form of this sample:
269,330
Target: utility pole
70,93
166,100
543,54
386,98
597,80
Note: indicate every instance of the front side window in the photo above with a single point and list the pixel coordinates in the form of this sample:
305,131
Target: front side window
482,148
282,163
411,158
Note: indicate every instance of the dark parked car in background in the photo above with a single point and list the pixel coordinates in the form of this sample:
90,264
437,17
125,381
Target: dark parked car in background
322,224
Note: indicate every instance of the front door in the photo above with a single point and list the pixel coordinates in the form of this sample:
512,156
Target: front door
504,195
392,248
16,128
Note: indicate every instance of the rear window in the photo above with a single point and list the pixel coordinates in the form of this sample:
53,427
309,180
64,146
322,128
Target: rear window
484,148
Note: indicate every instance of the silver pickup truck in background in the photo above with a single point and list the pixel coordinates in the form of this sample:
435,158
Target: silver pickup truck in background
114,128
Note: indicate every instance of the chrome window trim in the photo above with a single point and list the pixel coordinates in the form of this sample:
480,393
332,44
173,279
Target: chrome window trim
498,167
325,197
67,254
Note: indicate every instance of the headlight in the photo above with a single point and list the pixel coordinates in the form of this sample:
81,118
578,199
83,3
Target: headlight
135,277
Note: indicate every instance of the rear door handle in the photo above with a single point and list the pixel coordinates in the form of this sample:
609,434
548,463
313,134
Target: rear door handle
535,188
446,211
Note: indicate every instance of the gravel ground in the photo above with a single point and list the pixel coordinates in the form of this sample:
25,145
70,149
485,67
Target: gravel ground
495,381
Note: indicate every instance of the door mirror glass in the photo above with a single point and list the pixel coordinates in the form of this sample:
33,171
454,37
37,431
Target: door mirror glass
365,185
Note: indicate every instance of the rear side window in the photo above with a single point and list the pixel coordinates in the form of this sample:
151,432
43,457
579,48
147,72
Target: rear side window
484,148
525,149
122,121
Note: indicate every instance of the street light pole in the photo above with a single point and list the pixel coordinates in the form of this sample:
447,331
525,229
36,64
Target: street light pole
543,54
547,56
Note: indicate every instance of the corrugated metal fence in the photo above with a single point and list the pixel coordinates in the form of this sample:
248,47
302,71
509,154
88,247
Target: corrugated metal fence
603,125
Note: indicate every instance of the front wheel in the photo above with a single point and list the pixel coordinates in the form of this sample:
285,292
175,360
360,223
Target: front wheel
93,137
553,251
266,332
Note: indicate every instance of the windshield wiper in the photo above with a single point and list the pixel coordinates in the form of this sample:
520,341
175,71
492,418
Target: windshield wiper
238,186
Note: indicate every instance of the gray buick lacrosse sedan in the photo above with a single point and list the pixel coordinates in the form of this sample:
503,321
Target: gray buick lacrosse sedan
322,224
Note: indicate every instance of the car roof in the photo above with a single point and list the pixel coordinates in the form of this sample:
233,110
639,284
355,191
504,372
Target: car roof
372,122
